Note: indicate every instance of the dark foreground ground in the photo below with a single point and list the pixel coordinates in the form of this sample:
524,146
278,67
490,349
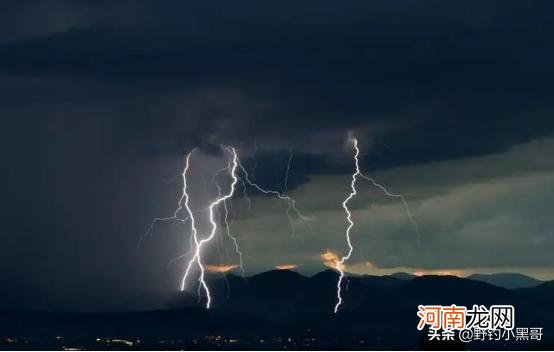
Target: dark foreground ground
284,310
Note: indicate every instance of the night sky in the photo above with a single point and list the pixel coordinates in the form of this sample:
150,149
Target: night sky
451,101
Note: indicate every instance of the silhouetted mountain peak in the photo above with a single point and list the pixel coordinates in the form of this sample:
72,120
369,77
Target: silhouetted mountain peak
507,280
430,278
277,275
403,276
285,302
547,284
327,273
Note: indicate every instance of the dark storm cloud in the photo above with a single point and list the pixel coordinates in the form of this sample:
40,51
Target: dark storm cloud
423,71
100,100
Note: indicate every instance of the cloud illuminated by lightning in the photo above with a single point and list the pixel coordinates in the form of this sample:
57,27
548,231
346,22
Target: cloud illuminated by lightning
331,259
223,268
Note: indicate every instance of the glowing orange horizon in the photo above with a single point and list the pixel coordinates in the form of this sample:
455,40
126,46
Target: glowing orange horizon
286,266
331,259
441,272
223,268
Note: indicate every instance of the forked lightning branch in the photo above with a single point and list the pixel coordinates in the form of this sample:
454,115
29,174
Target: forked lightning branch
238,174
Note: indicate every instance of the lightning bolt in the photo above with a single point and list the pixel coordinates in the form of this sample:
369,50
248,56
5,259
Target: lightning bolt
402,199
233,167
233,238
155,221
352,194
288,171
290,201
226,214
199,244
174,217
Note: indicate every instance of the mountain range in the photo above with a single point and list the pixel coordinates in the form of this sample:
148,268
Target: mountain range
377,312
507,280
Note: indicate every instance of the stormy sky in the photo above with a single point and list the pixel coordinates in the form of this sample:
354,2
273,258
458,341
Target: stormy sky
451,101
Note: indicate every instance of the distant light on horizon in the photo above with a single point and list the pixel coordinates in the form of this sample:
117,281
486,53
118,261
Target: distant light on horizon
441,272
331,259
286,266
222,268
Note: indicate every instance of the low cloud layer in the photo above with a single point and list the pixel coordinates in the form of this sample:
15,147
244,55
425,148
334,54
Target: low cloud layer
489,212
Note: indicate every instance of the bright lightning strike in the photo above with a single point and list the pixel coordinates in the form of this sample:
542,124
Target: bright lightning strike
199,244
353,192
341,263
226,216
